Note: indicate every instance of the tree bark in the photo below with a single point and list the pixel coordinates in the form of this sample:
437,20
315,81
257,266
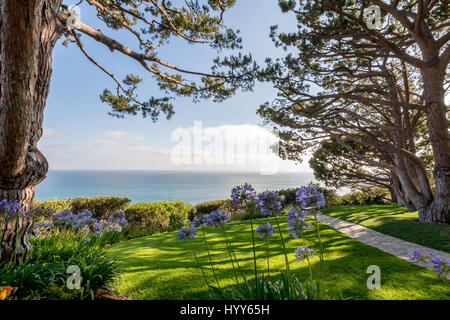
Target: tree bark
438,209
29,30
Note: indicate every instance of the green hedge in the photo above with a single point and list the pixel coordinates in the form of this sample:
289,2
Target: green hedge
361,198
210,206
289,195
101,207
158,216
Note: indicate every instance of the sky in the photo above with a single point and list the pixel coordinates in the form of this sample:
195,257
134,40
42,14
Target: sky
79,134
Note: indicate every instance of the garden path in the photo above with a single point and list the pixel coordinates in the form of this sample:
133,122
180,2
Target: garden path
397,247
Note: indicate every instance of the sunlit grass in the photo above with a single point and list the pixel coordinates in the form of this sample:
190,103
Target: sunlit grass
397,222
162,267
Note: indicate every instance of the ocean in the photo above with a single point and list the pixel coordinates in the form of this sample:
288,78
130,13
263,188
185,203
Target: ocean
148,186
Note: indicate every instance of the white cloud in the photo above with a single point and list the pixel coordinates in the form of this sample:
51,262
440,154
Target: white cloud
50,133
121,150
123,135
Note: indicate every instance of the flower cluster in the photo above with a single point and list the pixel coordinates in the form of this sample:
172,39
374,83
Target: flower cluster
243,193
420,255
302,253
199,220
11,208
217,218
297,223
310,197
82,221
265,230
269,202
78,221
186,232
440,265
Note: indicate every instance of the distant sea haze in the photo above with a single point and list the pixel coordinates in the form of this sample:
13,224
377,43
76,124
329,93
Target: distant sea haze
148,186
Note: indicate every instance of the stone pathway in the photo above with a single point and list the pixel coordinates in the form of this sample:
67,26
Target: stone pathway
397,247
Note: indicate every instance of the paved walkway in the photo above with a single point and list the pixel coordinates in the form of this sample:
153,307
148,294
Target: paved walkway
397,247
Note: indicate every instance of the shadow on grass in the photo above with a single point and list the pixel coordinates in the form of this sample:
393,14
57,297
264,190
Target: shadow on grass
397,222
162,267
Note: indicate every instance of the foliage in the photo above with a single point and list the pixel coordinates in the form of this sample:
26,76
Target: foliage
370,196
159,267
81,222
196,23
210,206
101,207
43,275
290,195
273,289
158,216
365,88
269,204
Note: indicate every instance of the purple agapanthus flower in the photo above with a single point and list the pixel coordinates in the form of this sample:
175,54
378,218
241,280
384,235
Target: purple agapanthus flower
302,253
441,266
199,220
420,255
186,233
217,218
310,197
10,207
265,230
297,223
243,193
269,202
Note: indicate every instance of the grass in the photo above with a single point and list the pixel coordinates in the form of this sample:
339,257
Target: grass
163,267
397,222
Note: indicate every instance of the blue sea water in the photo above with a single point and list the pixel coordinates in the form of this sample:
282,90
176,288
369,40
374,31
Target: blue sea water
192,187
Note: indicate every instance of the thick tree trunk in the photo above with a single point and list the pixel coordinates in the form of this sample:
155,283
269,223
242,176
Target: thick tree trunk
28,32
436,111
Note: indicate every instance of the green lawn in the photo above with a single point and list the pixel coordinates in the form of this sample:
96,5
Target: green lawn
397,222
163,267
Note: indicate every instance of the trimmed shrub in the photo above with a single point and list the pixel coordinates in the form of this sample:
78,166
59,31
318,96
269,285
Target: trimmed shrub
361,198
158,216
210,206
56,205
101,207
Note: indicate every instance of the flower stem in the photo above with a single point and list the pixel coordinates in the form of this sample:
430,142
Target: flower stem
198,262
254,259
307,258
284,251
209,257
268,264
230,248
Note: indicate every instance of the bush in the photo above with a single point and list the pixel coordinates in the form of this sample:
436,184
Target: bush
56,205
290,194
367,197
158,216
43,275
210,206
101,207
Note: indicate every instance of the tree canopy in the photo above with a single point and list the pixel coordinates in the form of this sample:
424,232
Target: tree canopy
347,81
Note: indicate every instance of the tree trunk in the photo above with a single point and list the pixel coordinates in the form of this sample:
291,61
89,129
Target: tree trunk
436,113
28,32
